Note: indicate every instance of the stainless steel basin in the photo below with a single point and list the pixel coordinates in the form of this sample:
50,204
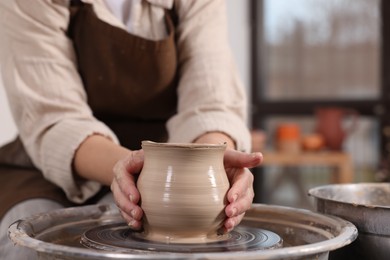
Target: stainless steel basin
367,206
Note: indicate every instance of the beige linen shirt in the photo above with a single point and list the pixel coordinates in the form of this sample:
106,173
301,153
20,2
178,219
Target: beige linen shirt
49,103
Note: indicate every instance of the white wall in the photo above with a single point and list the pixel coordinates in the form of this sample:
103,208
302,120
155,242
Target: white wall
238,22
239,36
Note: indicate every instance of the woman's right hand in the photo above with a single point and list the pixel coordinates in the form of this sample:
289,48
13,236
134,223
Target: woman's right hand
125,190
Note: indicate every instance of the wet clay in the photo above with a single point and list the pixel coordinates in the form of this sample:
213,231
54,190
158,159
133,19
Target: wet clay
183,192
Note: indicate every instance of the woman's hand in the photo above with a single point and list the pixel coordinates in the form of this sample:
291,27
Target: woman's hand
125,190
240,195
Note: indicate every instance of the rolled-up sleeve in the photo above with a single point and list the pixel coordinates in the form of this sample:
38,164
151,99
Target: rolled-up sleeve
211,95
45,92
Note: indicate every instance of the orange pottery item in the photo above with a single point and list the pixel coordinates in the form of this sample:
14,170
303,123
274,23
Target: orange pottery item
288,138
312,142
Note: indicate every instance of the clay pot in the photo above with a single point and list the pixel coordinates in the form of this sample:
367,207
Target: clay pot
288,137
183,192
329,125
312,142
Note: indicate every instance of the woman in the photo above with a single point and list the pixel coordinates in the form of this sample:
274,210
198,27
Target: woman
88,81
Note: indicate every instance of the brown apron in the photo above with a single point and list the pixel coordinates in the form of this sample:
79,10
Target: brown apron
131,86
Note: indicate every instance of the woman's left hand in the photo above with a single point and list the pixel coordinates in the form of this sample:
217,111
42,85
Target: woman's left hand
240,195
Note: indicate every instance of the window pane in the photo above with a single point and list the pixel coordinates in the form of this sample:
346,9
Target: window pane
325,49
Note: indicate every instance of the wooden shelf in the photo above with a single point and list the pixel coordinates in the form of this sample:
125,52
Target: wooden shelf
340,160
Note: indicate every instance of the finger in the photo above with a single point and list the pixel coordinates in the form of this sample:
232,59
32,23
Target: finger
124,204
135,162
241,205
233,158
134,166
131,222
230,223
123,186
241,180
240,196
124,172
126,185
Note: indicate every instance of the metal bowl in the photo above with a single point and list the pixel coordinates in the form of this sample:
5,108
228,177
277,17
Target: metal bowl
367,205
305,234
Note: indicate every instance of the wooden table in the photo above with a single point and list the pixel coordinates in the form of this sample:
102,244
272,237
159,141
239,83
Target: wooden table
340,160
341,163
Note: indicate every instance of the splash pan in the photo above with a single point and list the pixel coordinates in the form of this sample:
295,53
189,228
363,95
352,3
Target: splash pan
272,232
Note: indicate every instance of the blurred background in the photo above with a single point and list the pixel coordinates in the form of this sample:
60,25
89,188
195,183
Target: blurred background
320,93
315,74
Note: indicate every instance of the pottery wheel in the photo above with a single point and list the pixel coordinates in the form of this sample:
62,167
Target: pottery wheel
119,238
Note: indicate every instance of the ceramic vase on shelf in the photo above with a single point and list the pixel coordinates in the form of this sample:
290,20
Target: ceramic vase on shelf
288,138
183,191
329,125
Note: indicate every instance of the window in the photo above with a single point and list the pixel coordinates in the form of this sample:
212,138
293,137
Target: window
318,53
321,49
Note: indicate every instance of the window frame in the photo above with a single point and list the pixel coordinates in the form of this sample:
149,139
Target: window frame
379,108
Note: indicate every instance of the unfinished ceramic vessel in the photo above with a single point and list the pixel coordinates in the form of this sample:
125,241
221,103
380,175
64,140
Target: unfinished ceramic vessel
183,192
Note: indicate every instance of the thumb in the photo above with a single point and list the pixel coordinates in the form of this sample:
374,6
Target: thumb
239,159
